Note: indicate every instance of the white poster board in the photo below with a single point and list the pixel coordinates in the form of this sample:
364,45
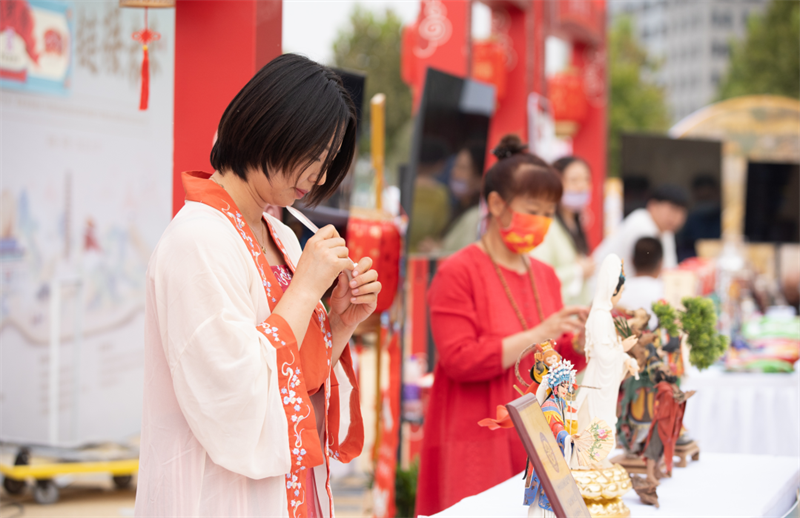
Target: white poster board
85,190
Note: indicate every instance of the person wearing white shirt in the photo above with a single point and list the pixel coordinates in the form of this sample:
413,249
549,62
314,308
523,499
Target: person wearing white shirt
663,216
646,287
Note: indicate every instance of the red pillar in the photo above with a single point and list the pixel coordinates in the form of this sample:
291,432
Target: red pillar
520,32
219,45
590,141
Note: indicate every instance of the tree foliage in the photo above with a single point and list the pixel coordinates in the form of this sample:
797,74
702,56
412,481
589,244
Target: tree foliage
636,102
371,44
767,61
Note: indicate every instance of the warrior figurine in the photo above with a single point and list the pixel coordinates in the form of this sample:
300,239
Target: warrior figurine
670,404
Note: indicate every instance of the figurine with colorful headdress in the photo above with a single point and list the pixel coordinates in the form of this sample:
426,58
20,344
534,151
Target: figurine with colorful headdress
560,414
544,360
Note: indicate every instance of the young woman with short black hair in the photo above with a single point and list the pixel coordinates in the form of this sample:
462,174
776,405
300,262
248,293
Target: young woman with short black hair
246,372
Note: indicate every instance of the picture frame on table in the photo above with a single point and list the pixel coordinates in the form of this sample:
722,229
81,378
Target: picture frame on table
547,459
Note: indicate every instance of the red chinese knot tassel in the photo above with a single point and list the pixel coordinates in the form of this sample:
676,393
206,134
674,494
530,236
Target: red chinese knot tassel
145,96
145,36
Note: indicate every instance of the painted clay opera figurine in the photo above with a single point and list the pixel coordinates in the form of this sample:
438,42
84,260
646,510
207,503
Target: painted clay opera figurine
608,361
557,410
670,404
545,360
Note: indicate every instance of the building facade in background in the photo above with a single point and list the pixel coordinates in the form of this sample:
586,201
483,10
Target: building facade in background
691,40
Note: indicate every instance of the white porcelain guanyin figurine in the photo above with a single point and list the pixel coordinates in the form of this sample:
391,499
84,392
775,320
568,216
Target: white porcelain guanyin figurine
608,361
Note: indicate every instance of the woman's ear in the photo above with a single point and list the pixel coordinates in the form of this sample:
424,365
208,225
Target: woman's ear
496,204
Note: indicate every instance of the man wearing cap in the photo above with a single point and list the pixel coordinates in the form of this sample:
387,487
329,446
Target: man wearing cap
663,216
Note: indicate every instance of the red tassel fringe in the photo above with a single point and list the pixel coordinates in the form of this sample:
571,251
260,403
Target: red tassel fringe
145,97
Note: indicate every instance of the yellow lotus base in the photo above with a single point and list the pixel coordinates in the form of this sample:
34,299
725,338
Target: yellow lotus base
615,508
602,490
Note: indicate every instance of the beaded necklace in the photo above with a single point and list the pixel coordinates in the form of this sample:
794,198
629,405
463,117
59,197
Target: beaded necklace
508,291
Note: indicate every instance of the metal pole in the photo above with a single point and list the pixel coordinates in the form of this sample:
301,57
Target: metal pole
55,360
76,360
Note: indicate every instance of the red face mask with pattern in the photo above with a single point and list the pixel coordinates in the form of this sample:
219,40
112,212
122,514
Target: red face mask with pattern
525,232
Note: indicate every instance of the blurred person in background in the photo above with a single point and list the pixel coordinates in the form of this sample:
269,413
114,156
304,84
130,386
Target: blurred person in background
645,287
664,215
565,247
465,185
705,219
430,211
488,303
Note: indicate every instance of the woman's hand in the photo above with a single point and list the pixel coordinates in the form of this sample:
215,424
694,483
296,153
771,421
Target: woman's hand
587,266
324,257
353,302
563,322
554,326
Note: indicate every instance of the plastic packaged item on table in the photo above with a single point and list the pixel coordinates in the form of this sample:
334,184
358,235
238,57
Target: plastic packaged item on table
771,344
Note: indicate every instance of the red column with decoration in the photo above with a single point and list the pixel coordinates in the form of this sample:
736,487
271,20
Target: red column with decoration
212,63
584,22
440,38
517,29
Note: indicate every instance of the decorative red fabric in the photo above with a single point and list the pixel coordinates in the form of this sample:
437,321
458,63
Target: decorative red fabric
470,316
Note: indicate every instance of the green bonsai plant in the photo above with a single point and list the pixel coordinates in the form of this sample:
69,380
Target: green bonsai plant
699,322
667,317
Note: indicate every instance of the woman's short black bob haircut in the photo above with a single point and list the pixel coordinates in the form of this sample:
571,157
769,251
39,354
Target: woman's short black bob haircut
285,117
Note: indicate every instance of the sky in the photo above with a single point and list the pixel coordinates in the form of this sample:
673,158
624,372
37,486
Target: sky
310,26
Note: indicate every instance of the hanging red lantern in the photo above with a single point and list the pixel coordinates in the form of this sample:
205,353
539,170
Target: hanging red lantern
568,99
489,65
145,37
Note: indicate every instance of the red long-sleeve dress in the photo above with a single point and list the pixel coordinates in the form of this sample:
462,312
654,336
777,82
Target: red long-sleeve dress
470,316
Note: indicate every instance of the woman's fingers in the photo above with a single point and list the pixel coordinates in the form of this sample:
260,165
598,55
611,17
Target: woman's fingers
363,265
341,288
333,242
363,278
371,287
570,325
342,252
574,310
344,263
326,232
368,298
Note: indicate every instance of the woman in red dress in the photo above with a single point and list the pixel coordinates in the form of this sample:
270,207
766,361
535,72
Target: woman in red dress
489,302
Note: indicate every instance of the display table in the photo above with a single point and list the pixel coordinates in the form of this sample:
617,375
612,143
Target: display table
756,414
718,485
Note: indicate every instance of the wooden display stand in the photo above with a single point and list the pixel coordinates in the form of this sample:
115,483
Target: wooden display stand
632,464
683,451
636,464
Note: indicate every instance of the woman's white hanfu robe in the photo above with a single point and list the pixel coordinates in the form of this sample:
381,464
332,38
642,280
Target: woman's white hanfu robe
228,427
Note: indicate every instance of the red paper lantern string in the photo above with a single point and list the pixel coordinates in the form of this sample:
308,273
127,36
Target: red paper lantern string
144,37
